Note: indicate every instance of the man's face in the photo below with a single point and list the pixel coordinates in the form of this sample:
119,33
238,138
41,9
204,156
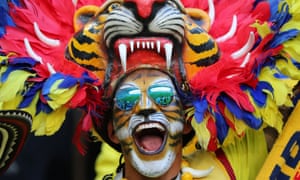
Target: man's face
148,121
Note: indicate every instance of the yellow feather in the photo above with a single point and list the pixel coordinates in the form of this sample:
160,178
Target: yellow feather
281,90
271,115
230,138
13,85
59,96
12,104
201,131
262,29
48,124
39,124
287,68
55,120
292,47
239,125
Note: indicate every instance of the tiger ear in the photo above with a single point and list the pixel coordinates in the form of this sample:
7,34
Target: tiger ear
200,17
83,15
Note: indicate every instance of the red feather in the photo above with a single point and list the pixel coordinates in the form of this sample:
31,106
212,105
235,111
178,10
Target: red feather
213,142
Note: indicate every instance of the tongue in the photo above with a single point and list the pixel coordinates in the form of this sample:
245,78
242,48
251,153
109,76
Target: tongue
151,142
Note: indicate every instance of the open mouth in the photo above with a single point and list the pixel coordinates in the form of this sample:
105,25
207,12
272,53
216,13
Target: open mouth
150,138
144,50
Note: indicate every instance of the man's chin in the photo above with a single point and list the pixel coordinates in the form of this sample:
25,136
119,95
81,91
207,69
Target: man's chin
153,168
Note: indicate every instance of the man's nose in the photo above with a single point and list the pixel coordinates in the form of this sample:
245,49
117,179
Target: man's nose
145,105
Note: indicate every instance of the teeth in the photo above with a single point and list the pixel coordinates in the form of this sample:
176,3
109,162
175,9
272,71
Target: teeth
150,125
131,46
123,56
150,45
168,49
158,46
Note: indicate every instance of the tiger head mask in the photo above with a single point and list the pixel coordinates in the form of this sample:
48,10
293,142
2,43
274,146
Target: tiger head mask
123,35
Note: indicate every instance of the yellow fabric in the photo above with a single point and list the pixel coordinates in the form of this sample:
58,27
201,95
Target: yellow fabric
204,160
279,162
247,155
107,162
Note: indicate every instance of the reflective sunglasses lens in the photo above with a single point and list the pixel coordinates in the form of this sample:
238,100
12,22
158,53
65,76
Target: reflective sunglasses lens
127,98
161,94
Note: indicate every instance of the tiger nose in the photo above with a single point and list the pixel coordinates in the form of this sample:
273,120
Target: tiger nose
144,7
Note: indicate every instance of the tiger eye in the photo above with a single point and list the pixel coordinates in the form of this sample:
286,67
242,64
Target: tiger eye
113,6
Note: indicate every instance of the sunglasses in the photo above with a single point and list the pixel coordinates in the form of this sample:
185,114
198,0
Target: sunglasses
127,98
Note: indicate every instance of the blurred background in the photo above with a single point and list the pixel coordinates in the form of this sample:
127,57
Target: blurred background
54,157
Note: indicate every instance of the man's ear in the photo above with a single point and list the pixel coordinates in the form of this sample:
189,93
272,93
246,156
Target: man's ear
187,128
83,15
111,133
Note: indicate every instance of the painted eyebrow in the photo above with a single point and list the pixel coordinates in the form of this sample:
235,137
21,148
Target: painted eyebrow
164,81
125,85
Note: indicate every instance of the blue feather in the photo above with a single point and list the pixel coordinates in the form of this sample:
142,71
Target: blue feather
29,95
23,61
5,75
15,64
279,18
200,108
274,8
222,127
258,94
5,18
297,64
16,2
296,99
282,37
42,107
68,82
49,83
243,115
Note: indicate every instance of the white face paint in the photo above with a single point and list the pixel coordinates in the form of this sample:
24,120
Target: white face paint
153,168
148,121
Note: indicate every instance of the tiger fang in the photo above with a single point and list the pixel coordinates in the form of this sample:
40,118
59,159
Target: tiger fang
162,46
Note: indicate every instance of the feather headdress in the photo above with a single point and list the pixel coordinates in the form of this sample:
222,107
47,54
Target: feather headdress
258,42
